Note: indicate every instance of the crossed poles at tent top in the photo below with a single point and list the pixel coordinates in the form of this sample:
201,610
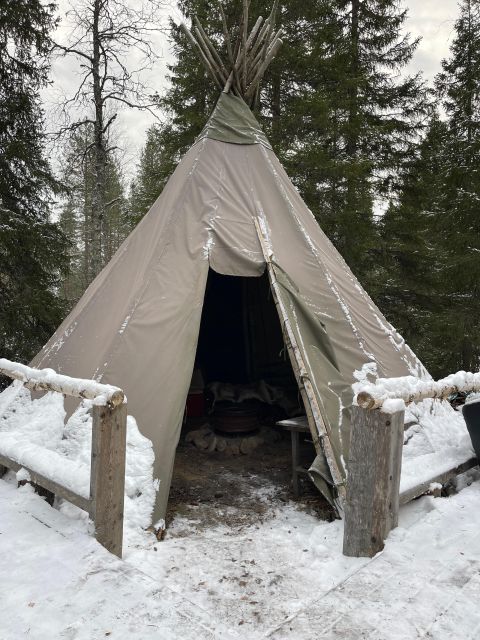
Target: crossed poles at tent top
248,58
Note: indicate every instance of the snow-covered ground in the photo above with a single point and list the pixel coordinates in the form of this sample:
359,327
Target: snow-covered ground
284,577
278,575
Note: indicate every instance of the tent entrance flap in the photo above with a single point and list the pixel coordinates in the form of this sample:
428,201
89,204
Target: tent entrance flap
242,385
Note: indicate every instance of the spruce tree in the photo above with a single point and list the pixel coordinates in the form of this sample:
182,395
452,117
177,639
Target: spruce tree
75,215
32,248
376,113
154,168
459,85
431,236
412,292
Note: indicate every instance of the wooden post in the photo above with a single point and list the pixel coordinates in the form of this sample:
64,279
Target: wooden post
295,443
373,482
107,481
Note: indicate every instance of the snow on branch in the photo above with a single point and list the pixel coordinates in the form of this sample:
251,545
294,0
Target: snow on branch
49,380
411,389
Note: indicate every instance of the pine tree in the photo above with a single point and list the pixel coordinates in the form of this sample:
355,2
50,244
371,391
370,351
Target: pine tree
32,248
118,222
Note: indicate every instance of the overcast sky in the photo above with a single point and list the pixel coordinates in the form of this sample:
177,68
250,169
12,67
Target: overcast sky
432,20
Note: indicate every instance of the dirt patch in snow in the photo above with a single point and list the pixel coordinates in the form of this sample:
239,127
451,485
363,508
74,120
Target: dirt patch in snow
213,488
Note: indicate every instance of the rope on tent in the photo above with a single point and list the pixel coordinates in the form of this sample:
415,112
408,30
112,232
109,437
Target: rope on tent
248,58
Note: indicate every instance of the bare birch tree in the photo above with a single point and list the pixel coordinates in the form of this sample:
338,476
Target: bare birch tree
104,37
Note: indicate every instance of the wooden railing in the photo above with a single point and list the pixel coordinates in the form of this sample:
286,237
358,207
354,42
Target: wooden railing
375,459
107,474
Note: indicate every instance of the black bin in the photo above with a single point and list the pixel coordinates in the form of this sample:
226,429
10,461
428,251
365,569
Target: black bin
471,413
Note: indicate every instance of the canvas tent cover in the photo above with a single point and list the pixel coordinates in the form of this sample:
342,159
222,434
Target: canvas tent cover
137,324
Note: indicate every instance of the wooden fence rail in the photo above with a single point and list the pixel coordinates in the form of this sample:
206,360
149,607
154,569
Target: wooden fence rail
109,430
375,462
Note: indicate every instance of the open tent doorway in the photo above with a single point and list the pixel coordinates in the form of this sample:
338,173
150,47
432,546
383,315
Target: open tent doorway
232,458
240,340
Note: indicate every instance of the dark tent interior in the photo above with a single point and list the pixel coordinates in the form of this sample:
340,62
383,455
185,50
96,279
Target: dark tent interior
240,337
243,384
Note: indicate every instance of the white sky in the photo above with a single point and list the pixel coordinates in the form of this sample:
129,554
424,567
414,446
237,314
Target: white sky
433,20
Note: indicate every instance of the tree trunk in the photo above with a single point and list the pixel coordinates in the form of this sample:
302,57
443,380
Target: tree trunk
470,89
87,222
352,141
354,181
99,154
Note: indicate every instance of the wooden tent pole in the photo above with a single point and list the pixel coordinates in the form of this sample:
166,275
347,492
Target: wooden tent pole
263,32
230,53
316,422
272,52
248,59
208,54
205,60
253,34
271,26
226,34
209,44
244,43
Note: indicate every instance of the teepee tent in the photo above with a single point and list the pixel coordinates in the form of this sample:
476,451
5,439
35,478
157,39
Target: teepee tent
229,207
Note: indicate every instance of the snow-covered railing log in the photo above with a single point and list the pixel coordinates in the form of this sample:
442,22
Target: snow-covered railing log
109,429
439,479
41,480
375,458
49,380
411,389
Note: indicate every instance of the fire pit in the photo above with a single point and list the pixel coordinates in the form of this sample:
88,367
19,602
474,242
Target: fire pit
235,418
239,417
231,444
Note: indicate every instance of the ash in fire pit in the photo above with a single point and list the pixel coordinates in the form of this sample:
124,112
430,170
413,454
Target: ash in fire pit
231,444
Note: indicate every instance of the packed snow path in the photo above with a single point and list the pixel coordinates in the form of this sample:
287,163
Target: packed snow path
284,577
59,583
426,584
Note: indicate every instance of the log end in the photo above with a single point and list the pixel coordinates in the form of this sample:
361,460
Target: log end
116,398
365,400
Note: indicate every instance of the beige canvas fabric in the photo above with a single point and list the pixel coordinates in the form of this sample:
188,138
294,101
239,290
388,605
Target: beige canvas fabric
137,324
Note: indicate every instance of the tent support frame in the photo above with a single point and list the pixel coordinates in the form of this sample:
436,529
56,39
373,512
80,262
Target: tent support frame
315,419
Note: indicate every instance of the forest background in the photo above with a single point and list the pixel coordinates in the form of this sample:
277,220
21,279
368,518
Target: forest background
387,162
